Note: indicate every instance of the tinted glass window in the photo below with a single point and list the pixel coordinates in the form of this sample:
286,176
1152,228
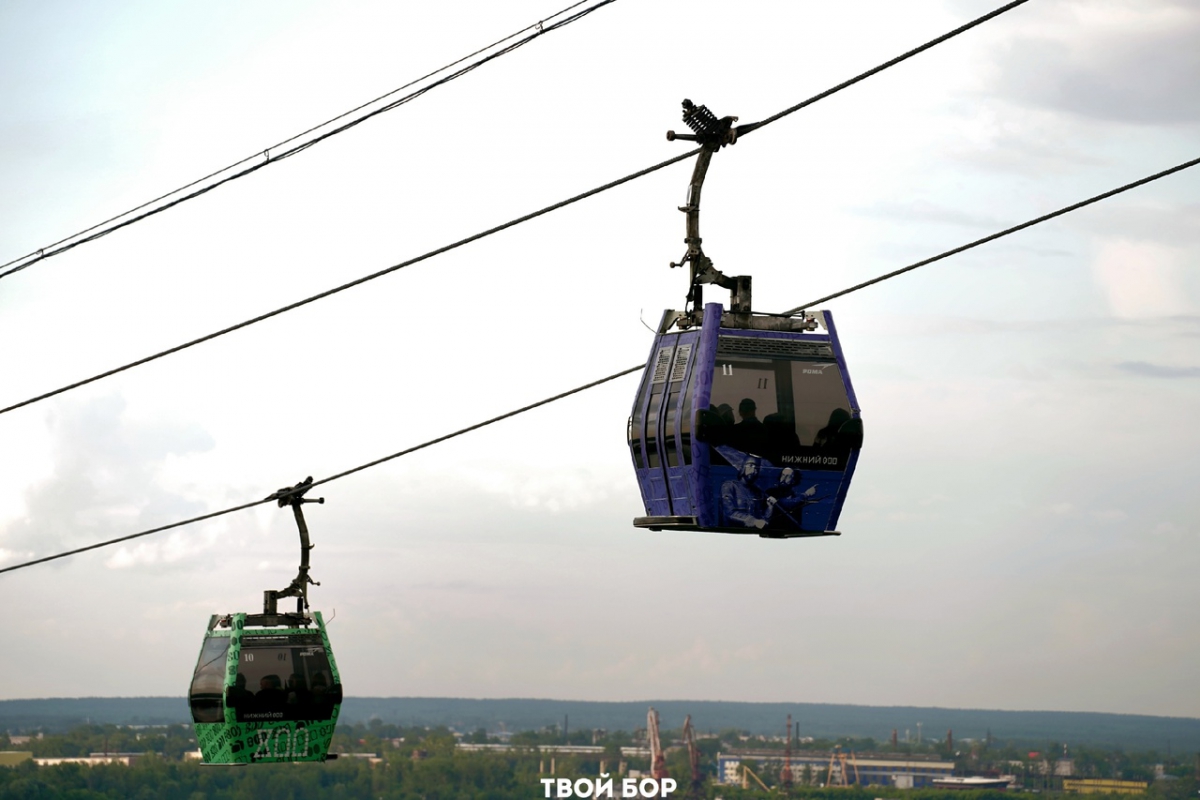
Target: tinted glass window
635,429
793,411
652,428
634,434
208,682
282,677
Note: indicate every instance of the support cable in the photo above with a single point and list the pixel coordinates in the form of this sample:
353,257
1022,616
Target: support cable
999,234
274,497
104,228
609,378
517,221
903,57
345,286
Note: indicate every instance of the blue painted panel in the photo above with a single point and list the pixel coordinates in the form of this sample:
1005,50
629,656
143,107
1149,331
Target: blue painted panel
760,496
843,489
801,438
841,360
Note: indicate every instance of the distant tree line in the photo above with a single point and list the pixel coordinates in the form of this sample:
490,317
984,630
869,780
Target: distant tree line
1030,729
419,762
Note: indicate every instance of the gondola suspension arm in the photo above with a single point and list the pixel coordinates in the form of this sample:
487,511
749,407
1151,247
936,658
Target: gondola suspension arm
712,134
294,496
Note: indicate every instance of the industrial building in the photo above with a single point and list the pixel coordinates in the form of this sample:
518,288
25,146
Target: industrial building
838,769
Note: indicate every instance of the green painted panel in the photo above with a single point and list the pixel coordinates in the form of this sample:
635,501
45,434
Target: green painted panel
266,741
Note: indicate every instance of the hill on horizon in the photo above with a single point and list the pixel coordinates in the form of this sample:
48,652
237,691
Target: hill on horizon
820,720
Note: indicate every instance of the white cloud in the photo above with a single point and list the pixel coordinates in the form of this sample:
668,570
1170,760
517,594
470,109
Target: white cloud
175,548
542,487
1141,278
104,483
9,555
1129,62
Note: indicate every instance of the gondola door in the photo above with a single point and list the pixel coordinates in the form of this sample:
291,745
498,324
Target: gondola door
660,427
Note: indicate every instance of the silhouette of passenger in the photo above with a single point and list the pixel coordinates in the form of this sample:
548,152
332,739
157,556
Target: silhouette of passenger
850,435
827,437
238,696
297,691
271,696
715,428
748,411
781,434
750,435
320,690
715,425
725,412
742,502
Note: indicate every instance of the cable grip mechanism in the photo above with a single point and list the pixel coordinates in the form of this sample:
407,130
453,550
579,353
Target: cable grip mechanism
294,496
712,133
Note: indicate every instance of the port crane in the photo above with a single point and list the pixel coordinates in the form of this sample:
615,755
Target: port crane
658,761
844,763
747,774
696,789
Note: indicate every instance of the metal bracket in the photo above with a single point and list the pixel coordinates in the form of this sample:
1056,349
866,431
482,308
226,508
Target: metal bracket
294,496
712,134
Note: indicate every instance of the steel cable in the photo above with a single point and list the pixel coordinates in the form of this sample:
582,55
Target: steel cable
80,237
329,479
828,92
343,287
614,376
1029,224
461,242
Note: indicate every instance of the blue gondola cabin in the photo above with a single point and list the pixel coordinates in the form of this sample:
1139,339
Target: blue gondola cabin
741,429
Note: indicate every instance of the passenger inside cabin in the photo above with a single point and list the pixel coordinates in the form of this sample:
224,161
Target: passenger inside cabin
748,411
750,435
715,424
725,414
843,433
781,433
270,695
827,437
297,691
320,689
238,694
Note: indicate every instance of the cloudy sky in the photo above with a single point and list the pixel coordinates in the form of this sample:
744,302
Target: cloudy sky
1022,530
